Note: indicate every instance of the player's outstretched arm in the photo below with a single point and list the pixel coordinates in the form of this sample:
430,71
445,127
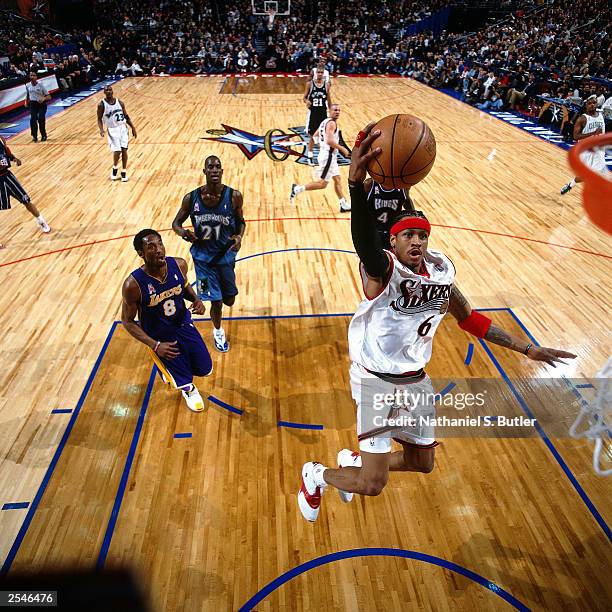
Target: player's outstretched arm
182,216
197,306
363,228
481,326
129,309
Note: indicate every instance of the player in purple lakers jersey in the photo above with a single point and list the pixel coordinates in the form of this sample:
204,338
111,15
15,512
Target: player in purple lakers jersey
215,211
156,292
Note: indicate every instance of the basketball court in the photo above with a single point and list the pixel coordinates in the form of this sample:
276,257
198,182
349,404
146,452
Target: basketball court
103,466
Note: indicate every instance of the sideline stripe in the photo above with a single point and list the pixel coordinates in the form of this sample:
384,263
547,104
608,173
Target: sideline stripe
447,389
61,411
45,481
380,552
568,472
183,435
112,521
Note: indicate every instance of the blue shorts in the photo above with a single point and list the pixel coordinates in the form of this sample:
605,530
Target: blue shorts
215,282
193,360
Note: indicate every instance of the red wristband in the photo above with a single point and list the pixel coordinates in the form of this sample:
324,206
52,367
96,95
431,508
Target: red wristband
360,138
476,324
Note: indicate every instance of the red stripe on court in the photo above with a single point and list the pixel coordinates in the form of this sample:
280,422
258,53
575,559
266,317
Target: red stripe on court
454,227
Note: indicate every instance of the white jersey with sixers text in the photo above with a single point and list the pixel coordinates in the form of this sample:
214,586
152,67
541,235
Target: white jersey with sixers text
393,332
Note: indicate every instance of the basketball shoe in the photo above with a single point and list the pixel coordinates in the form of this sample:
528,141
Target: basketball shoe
344,206
114,173
309,495
221,344
293,194
124,177
348,458
43,225
193,399
565,188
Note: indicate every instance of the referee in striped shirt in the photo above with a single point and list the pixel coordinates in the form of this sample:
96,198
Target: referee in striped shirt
36,98
10,187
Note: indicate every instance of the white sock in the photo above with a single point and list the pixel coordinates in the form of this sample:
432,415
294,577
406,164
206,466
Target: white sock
40,219
572,183
299,188
317,474
342,202
115,168
219,332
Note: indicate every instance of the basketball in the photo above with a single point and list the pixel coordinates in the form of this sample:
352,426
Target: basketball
408,152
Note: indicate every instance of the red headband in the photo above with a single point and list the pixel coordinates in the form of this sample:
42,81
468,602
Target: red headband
411,223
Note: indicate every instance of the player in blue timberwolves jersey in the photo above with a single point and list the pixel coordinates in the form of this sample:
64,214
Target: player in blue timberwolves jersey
156,292
215,211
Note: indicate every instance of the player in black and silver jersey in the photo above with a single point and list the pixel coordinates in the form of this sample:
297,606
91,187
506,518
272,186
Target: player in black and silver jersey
318,99
386,204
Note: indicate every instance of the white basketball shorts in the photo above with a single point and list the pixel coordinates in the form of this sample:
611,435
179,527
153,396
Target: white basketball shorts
328,166
417,428
117,138
596,160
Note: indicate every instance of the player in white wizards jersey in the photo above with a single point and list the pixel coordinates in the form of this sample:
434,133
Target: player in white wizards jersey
407,290
112,114
589,124
328,137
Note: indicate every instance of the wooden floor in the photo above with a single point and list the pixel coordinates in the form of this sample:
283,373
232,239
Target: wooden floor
210,520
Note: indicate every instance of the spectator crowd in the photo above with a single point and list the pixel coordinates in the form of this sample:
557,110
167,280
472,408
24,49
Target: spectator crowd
559,48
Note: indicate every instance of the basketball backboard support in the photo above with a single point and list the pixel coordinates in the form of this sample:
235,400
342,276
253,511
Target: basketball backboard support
261,7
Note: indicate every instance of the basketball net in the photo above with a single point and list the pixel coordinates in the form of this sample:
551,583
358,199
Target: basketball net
594,422
597,196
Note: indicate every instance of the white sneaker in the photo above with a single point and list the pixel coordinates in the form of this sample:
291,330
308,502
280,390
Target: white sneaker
221,344
348,458
43,225
345,207
193,399
292,194
309,495
114,175
124,178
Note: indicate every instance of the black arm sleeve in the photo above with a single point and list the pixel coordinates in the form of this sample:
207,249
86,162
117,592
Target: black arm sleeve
365,237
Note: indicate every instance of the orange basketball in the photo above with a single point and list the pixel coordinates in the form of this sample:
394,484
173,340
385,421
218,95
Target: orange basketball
408,152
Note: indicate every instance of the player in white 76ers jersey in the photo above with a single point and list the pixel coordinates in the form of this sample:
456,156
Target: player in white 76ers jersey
407,290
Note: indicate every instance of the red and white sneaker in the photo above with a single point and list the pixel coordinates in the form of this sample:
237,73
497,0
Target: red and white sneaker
348,458
309,495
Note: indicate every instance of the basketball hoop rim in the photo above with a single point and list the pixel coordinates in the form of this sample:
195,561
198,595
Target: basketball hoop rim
581,169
